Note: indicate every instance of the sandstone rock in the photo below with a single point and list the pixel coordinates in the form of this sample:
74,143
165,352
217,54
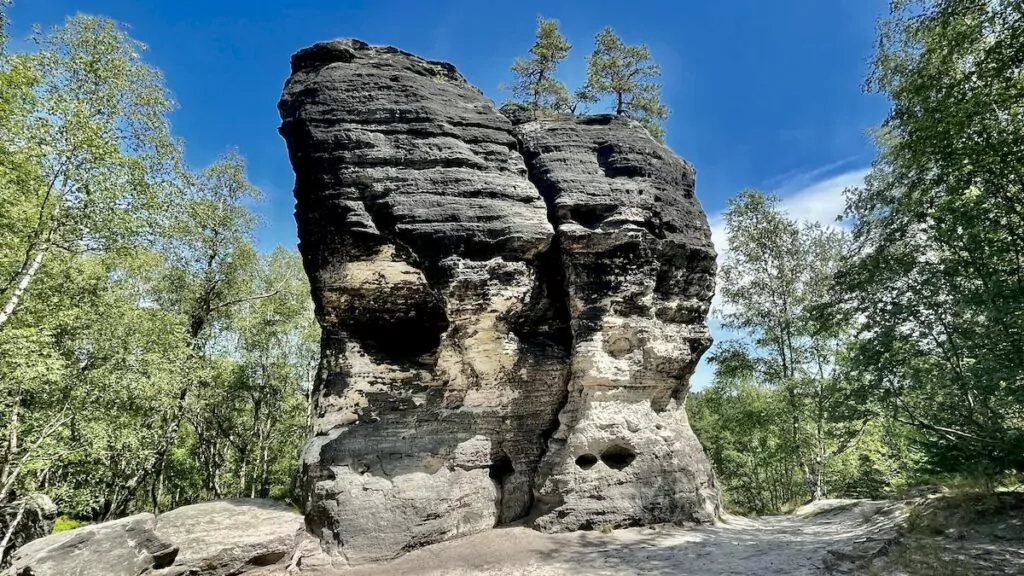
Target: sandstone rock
470,356
230,537
125,547
424,242
32,517
639,267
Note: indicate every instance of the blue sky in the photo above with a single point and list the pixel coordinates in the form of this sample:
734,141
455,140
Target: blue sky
763,94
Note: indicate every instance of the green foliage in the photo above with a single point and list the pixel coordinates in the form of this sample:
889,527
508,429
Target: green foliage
908,336
627,74
534,82
775,278
937,276
87,150
741,426
142,336
787,419
66,523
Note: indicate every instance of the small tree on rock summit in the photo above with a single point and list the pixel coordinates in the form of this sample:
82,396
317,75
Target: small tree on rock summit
627,73
535,84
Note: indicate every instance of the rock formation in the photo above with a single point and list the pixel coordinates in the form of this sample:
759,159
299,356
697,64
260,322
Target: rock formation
510,314
228,537
639,271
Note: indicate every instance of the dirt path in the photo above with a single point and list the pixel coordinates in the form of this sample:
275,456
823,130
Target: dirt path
786,545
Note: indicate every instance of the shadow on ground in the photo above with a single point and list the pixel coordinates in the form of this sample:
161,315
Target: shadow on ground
786,545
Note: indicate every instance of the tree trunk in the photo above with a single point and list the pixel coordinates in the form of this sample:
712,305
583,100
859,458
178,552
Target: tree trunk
23,282
156,462
265,472
243,457
10,532
156,490
815,479
536,94
11,452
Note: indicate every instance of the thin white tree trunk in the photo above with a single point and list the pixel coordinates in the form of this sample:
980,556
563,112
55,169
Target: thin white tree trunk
10,532
12,440
23,283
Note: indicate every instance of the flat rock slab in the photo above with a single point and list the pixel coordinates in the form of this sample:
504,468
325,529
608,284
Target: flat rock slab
231,536
125,547
211,539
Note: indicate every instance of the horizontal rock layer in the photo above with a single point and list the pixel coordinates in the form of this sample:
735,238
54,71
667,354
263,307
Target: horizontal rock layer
510,313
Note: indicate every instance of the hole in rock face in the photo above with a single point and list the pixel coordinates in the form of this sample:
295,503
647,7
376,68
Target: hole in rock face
592,216
586,461
501,467
617,457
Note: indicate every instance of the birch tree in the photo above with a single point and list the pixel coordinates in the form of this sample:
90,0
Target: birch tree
775,276
88,152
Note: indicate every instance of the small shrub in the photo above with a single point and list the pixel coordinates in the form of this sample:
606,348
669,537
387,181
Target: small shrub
65,523
606,529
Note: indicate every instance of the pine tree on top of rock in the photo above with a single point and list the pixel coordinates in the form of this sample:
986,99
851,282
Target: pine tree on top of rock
627,73
534,84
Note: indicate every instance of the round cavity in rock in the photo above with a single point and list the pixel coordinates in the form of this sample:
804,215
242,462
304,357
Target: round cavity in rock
586,461
617,457
618,347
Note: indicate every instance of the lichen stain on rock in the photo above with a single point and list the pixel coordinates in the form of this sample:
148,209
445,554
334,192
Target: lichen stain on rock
510,313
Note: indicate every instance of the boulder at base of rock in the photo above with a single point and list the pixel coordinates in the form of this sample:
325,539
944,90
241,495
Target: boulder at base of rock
231,536
212,539
125,547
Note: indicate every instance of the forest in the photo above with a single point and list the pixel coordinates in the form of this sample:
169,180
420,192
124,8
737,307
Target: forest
151,356
886,351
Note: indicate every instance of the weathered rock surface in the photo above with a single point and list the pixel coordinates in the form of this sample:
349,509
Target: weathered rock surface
478,366
125,547
229,537
639,268
424,242
32,517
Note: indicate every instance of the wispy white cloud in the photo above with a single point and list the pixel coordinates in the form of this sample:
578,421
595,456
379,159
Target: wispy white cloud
810,196
815,201
822,201
796,180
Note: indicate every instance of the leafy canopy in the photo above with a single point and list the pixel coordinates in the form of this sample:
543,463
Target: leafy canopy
938,277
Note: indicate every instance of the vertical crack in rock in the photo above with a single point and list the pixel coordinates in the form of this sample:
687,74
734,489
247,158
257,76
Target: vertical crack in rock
476,365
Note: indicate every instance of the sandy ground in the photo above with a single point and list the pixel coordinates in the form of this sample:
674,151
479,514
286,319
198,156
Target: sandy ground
784,545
